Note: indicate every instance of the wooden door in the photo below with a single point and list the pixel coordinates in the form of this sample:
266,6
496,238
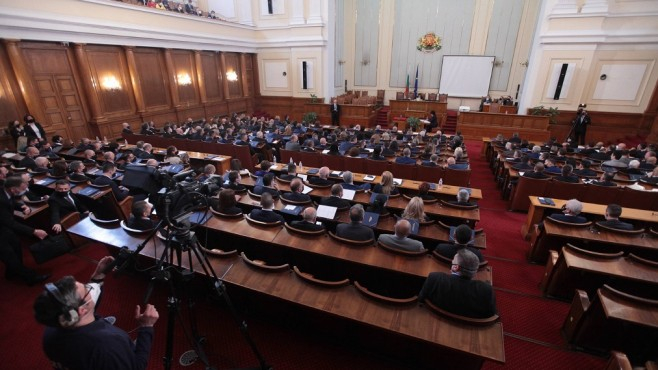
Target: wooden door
61,106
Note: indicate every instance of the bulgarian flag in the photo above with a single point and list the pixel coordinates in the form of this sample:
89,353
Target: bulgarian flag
406,90
415,84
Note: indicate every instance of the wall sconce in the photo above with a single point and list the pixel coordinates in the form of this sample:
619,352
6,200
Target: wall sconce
231,76
341,62
110,83
525,64
498,64
365,61
184,79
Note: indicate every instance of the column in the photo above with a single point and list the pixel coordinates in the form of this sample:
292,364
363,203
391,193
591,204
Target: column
243,75
134,79
199,77
23,77
315,11
173,83
91,88
222,66
296,12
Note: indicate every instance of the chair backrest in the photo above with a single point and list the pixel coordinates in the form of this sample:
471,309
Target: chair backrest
592,254
432,96
462,319
403,171
384,299
457,177
261,223
294,202
569,224
458,206
261,265
358,243
325,283
601,194
443,98
619,231
430,174
525,187
334,162
295,230
225,215
356,165
564,190
311,159
376,167
639,199
401,251
650,263
399,95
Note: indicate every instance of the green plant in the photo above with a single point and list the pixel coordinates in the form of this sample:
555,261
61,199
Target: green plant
314,98
310,117
550,112
414,123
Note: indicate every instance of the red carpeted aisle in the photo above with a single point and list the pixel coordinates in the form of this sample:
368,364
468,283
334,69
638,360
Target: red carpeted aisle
531,322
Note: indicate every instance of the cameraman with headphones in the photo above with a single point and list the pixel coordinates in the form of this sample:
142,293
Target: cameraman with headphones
76,338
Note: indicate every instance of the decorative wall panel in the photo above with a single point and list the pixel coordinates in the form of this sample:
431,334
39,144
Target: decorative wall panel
366,42
152,77
111,78
212,78
185,72
501,40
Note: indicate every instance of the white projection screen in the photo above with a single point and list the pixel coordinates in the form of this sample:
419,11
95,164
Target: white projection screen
466,76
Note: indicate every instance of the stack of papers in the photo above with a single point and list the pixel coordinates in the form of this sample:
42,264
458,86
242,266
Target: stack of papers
397,182
348,194
327,212
307,189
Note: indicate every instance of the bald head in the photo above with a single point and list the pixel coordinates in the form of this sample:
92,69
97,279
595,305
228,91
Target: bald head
309,214
402,228
324,172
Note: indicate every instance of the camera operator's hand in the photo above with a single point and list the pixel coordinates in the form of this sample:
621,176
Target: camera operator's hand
102,266
148,317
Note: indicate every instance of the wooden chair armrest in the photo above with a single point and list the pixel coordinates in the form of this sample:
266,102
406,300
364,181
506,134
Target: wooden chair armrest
462,319
260,265
641,260
352,242
303,232
588,253
133,231
225,215
325,283
261,223
380,298
400,251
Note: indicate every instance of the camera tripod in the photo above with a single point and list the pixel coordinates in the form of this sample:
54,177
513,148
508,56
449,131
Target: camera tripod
169,268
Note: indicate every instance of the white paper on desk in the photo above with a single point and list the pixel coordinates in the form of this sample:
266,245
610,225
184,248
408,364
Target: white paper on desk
521,173
397,182
275,167
326,212
325,151
302,176
348,194
8,155
307,189
335,173
290,207
244,172
181,152
368,177
369,150
218,159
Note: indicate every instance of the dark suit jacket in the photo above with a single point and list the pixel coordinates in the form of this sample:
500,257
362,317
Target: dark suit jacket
459,295
118,193
260,189
60,207
30,132
535,175
604,183
314,180
27,162
355,231
616,224
265,216
571,179
405,160
7,221
140,223
378,189
337,202
293,146
585,172
306,226
296,197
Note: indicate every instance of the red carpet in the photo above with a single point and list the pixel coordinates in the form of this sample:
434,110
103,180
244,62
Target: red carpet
531,323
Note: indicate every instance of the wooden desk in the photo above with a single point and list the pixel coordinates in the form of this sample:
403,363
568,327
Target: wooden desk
222,163
557,235
463,347
537,212
475,125
574,270
614,320
419,109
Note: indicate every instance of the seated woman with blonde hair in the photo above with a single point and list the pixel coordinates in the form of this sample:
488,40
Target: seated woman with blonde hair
415,210
386,186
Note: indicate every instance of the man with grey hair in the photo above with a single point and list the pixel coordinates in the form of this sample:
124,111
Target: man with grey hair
266,213
400,240
308,223
458,293
146,152
348,182
28,160
322,179
406,157
462,198
41,165
293,144
355,230
570,213
335,199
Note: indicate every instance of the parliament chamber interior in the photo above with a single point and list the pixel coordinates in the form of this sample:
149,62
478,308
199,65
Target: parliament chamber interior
329,184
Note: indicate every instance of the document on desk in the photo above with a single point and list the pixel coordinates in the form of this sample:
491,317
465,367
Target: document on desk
370,219
327,212
397,182
303,177
348,194
368,177
292,209
307,189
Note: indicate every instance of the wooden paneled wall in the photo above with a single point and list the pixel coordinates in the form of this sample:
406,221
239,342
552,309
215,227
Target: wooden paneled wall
78,90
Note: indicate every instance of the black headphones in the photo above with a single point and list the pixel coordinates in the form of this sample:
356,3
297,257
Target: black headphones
68,314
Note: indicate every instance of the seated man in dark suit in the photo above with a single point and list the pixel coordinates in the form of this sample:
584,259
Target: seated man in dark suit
335,199
89,157
126,128
605,180
146,152
462,198
41,165
525,164
62,202
432,162
570,213
308,223
348,182
120,192
266,213
463,235
293,144
28,161
234,182
458,293
652,178
550,167
322,179
567,175
400,240
537,172
296,195
355,230
584,169
612,213
269,186
406,157
141,216
292,173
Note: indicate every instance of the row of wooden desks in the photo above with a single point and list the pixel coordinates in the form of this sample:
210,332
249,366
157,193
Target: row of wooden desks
538,211
465,347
